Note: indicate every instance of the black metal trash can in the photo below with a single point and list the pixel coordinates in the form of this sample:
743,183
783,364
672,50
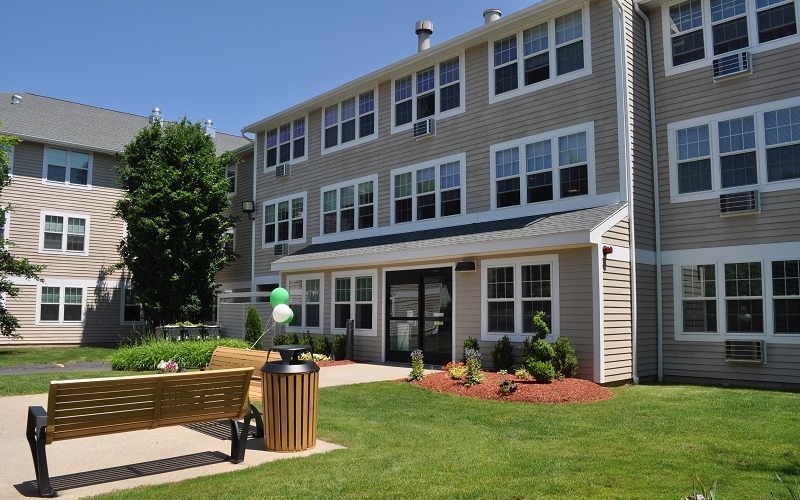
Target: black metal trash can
290,391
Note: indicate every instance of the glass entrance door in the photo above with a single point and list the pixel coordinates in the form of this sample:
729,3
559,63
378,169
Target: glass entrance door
420,314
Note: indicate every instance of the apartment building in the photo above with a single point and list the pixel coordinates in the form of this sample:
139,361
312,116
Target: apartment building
62,196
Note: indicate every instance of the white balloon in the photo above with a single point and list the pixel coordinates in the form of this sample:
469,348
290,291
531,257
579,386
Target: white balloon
281,313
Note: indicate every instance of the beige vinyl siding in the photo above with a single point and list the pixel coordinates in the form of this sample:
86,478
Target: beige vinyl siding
239,271
694,94
646,321
616,301
618,235
575,299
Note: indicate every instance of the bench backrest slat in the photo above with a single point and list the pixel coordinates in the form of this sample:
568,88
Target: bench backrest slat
233,357
88,407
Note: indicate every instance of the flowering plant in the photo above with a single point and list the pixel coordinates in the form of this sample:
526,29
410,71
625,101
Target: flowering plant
167,366
455,371
507,387
416,366
703,494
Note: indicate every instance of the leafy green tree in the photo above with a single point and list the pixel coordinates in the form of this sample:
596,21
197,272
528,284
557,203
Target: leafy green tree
10,265
175,191
253,328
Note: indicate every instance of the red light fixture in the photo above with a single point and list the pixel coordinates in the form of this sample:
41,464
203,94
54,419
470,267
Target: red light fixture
607,250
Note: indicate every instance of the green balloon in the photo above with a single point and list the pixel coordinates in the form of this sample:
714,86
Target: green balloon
279,296
288,320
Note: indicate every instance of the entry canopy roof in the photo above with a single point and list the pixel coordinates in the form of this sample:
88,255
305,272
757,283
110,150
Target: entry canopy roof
577,228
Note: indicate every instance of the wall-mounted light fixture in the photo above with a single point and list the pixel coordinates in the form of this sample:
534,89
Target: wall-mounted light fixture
249,207
607,250
465,265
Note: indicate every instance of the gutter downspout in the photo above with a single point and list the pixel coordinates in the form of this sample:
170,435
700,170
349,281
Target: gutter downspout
629,194
656,193
253,222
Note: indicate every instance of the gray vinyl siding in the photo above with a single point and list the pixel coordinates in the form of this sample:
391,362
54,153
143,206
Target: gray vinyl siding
694,94
575,299
618,235
617,355
239,271
646,321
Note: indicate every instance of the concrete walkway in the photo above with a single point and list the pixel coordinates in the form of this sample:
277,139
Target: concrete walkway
91,466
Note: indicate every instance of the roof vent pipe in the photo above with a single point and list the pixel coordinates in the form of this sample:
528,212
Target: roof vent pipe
424,30
209,129
155,115
491,15
16,99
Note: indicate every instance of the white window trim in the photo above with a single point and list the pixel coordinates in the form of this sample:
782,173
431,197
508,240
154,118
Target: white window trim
10,160
554,79
66,182
304,277
275,201
437,163
438,115
235,169
232,232
373,332
765,254
708,39
293,160
716,182
517,263
124,289
358,140
354,184
61,298
66,217
553,135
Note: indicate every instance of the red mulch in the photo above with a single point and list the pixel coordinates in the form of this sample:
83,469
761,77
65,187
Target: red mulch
569,390
334,363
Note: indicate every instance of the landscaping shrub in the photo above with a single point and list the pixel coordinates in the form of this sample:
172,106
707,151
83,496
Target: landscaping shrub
145,355
503,354
289,338
417,372
542,371
565,361
339,346
322,345
542,351
473,364
469,343
253,329
304,339
455,371
539,324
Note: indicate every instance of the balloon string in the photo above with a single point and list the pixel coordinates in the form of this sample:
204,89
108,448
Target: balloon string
270,324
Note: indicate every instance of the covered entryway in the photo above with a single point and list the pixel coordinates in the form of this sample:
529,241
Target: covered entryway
419,305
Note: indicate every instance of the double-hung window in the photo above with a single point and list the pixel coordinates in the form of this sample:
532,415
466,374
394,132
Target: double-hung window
514,291
64,233
701,29
228,240
546,52
61,304
71,168
553,166
285,144
354,298
786,296
131,306
230,175
350,121
305,301
432,91
699,298
349,206
284,220
429,190
756,147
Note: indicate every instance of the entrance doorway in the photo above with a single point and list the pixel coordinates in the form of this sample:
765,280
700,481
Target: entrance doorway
419,305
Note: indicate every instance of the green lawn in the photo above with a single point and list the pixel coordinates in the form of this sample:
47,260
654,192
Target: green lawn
38,355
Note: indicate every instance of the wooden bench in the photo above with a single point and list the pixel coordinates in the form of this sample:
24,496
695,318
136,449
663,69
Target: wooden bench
233,357
94,407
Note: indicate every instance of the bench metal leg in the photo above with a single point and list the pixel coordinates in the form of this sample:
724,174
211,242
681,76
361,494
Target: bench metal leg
35,433
239,437
259,421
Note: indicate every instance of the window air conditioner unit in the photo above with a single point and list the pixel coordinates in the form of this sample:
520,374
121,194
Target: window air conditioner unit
424,128
745,351
282,170
744,202
282,249
738,63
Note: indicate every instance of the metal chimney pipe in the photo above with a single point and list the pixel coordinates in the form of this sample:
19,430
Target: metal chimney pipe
491,15
424,30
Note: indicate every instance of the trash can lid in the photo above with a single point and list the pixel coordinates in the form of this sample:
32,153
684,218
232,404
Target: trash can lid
294,367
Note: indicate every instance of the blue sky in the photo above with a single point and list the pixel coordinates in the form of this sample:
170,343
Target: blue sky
234,62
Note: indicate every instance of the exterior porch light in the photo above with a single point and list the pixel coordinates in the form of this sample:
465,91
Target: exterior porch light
249,208
465,265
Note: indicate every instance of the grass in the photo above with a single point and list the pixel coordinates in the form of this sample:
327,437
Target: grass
43,355
37,383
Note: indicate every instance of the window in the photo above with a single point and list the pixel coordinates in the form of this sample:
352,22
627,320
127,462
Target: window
430,190
709,28
64,233
305,300
542,53
349,207
131,306
60,304
514,291
286,143
10,155
753,148
557,165
432,91
228,240
349,121
759,297
230,175
284,220
71,168
354,298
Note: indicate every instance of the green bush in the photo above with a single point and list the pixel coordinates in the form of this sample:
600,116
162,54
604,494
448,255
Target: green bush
145,355
503,354
542,351
304,339
473,366
542,330
469,343
565,361
542,371
322,345
253,328
339,346
417,373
